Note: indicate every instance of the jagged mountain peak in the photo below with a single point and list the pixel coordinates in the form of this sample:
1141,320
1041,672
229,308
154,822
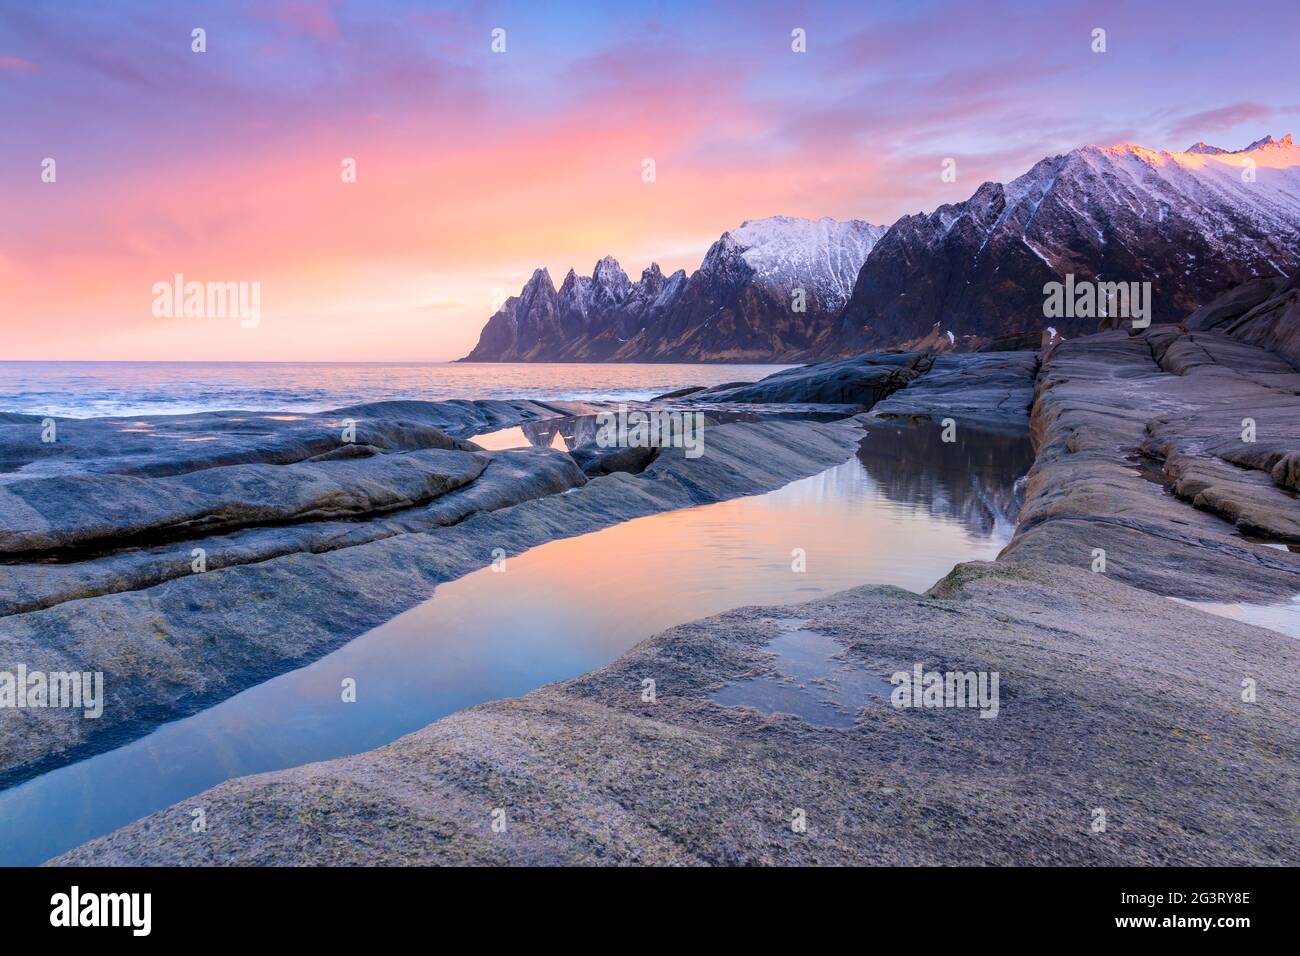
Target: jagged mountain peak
740,303
1199,148
821,256
539,280
1268,141
606,266
572,281
1195,155
609,282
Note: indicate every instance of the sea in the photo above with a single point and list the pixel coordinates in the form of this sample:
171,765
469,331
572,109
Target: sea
93,389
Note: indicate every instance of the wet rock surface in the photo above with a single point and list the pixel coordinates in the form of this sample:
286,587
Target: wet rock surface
985,390
1105,405
1145,723
594,460
181,623
861,381
1113,698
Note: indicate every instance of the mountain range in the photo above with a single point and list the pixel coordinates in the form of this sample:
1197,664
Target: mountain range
784,289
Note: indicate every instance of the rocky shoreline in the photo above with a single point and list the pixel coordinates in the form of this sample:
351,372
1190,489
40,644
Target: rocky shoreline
1114,698
306,553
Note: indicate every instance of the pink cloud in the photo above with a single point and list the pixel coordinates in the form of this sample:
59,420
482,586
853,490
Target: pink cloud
1218,120
17,64
315,19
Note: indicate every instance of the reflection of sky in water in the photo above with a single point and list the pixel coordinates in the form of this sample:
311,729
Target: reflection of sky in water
1282,617
558,611
515,437
810,678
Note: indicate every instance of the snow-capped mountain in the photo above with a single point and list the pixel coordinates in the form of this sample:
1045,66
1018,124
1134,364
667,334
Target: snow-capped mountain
770,289
821,256
1192,223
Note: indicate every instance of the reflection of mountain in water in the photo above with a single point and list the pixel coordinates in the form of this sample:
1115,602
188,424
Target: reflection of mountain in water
972,479
579,430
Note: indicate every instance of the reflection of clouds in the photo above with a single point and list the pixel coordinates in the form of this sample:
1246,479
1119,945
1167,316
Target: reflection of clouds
972,480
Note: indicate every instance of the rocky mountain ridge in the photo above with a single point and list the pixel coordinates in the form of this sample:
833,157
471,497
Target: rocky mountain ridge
1192,223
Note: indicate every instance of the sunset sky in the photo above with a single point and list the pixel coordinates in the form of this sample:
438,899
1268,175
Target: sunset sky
474,168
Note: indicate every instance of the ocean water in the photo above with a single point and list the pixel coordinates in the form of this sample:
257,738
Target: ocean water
90,389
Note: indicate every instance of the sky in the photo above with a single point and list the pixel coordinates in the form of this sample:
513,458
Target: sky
474,167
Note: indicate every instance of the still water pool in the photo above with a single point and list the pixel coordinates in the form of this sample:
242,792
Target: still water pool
902,511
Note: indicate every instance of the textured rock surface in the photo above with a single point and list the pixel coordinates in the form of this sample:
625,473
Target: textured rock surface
1234,303
1113,429
987,390
594,460
1273,324
510,477
861,381
70,511
1111,698
171,641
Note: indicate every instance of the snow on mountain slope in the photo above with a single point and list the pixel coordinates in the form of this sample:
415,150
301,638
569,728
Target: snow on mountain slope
1192,223
819,255
739,305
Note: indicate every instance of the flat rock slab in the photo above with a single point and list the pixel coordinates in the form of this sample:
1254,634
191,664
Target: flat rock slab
860,381
1247,498
77,511
1110,699
160,445
1105,416
510,477
983,390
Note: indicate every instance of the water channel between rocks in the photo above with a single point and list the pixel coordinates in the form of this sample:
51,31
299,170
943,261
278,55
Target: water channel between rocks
902,511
